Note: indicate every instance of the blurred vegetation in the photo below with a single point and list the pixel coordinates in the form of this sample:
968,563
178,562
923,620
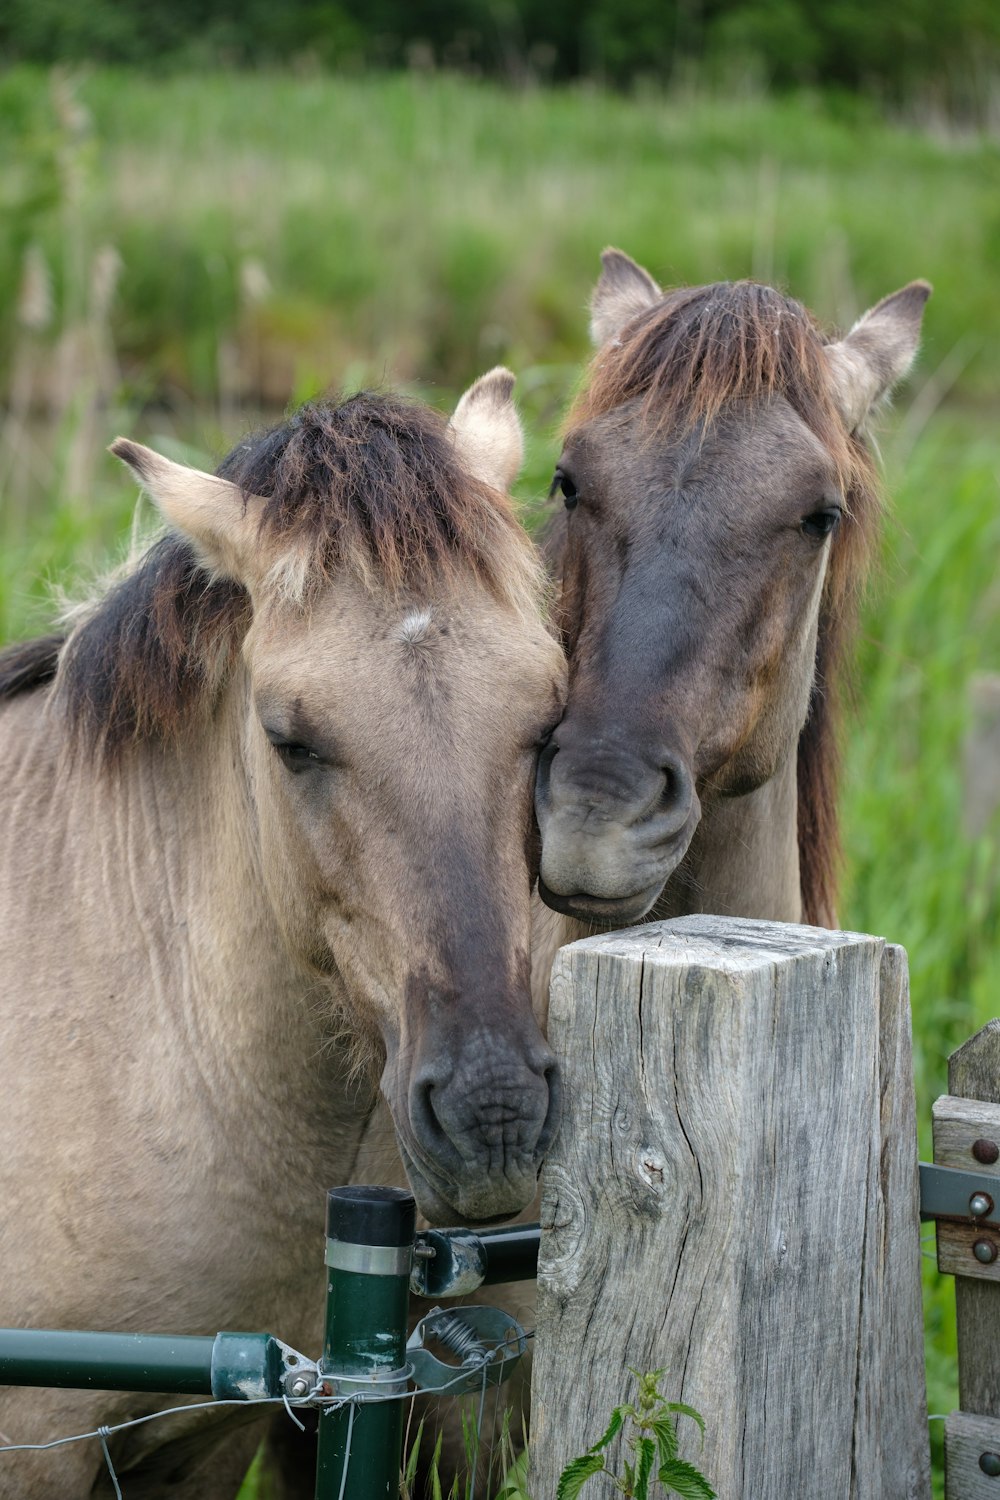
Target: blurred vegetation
270,229
181,255
952,51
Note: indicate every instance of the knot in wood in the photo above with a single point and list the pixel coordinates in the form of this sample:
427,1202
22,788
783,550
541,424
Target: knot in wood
563,1220
651,1166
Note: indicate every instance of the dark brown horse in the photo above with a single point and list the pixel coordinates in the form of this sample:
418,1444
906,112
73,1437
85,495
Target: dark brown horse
721,506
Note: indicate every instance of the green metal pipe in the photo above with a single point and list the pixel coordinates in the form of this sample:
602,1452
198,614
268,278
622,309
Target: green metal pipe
106,1361
231,1366
369,1251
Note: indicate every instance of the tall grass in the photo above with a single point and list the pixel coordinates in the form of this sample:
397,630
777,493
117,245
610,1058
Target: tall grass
277,233
426,226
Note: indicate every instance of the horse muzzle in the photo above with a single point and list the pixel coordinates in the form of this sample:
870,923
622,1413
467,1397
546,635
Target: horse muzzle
473,1131
613,831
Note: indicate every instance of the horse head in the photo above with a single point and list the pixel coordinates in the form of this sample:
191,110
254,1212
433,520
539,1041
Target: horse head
719,501
394,682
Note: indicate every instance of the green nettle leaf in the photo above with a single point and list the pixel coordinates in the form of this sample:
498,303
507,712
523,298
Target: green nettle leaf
575,1475
666,1438
688,1411
685,1480
646,1451
652,1439
615,1425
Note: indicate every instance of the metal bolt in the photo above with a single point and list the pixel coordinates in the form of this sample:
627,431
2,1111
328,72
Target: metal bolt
423,1251
985,1251
980,1204
985,1151
299,1386
990,1464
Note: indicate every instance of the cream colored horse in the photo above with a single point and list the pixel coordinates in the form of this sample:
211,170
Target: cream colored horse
266,816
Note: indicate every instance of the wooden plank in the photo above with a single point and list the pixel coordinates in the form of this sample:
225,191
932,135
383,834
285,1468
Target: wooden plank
721,1202
974,1069
960,1125
974,1073
966,1133
970,1442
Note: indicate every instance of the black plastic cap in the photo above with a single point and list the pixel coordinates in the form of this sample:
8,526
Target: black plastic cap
371,1215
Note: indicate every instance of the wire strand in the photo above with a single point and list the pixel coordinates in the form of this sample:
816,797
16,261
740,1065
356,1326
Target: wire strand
103,1433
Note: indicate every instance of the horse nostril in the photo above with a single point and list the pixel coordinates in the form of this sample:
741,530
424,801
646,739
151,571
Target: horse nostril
543,773
423,1114
677,793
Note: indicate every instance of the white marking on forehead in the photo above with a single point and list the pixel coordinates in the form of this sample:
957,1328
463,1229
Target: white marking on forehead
414,626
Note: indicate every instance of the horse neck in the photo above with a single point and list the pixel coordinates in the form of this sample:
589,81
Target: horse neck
744,857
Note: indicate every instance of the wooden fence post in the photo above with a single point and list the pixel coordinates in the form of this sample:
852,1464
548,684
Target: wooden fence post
733,1196
966,1135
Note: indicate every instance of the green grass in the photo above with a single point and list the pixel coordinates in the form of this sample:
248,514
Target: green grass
912,875
429,226
417,230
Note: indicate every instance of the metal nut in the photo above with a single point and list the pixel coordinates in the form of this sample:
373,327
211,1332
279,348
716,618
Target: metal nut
299,1386
990,1464
980,1204
985,1251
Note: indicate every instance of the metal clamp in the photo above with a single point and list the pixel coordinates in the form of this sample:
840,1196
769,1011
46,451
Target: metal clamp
488,1342
369,1260
380,1385
299,1375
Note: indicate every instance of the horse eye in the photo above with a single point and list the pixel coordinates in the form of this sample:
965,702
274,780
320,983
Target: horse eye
297,757
821,522
566,488
292,754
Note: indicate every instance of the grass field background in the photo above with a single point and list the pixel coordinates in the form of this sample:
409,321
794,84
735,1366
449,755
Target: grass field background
180,255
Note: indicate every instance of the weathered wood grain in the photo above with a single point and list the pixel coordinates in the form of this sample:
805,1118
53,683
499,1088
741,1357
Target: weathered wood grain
974,1073
967,1440
958,1125
898,1379
733,1196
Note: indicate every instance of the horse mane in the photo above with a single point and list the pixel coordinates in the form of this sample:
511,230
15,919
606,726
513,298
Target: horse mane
29,664
685,359
373,485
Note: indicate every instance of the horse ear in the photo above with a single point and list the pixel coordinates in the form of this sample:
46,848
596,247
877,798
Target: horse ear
877,352
623,291
486,430
208,510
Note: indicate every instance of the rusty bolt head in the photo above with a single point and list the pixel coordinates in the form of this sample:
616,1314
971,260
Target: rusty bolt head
985,1252
985,1151
990,1464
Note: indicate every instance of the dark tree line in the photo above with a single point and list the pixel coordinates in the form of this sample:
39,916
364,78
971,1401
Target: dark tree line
894,49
